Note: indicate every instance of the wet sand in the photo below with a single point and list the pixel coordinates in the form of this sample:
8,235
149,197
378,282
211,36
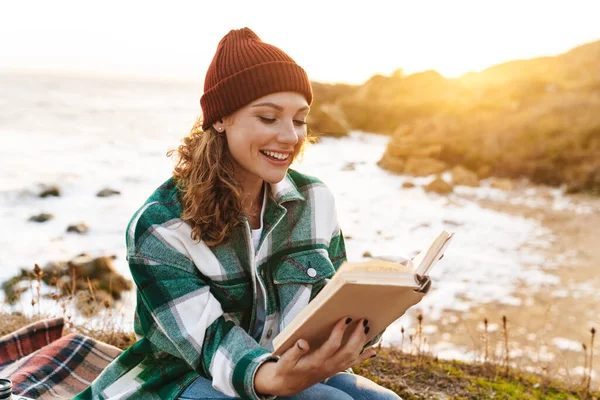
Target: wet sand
547,330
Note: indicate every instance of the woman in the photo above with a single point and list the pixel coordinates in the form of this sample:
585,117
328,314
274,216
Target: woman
226,252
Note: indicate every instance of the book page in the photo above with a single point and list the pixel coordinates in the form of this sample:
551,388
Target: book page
377,265
427,258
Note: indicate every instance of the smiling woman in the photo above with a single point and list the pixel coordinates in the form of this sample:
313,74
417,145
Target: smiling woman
205,247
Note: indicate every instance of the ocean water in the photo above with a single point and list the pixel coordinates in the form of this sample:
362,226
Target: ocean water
83,134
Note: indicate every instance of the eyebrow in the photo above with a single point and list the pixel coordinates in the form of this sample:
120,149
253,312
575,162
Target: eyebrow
277,107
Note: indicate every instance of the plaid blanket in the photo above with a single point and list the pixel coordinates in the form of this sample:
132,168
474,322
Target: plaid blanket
44,364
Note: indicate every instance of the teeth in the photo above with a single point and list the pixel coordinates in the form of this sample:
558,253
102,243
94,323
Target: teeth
279,156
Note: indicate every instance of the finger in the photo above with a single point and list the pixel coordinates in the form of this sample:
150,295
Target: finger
295,353
356,341
333,343
368,354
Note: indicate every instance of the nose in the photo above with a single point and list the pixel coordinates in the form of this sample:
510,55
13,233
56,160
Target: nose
288,134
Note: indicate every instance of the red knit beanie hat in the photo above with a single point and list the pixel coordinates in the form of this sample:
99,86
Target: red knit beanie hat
244,69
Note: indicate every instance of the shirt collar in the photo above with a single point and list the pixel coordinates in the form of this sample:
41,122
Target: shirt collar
286,190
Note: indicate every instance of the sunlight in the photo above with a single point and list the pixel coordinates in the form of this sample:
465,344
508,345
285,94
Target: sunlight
334,43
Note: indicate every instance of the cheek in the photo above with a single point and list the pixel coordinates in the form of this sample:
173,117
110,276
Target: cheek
302,134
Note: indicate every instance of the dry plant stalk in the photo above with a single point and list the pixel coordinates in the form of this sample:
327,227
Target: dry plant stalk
38,273
402,340
505,329
419,334
590,370
585,364
485,339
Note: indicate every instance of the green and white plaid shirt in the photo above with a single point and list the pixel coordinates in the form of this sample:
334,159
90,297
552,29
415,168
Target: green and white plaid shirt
196,304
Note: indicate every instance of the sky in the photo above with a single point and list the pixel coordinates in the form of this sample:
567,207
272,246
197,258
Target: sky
335,41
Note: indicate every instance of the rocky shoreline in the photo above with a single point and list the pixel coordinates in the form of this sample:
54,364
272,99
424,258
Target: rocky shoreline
550,324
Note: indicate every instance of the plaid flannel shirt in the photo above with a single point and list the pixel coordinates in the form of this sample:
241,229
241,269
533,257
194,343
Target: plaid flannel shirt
196,304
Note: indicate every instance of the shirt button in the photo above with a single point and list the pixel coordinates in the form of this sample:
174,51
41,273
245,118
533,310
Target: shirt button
311,272
269,333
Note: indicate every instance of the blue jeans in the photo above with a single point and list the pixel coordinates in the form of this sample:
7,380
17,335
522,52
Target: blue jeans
342,386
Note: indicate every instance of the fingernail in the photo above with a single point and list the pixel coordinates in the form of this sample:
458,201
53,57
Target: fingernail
300,347
348,320
365,322
367,329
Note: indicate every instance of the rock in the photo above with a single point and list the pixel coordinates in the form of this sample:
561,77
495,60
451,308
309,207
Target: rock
349,167
50,191
452,223
328,120
367,254
439,186
574,187
502,184
43,217
464,177
78,228
76,276
409,147
484,172
106,192
408,185
391,164
423,166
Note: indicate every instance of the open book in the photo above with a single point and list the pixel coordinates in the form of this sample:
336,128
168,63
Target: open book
378,290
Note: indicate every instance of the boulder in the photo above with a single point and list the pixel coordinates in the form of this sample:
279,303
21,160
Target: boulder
464,177
484,172
423,166
106,192
349,167
409,147
76,275
439,186
43,217
391,164
78,228
328,120
100,271
50,191
502,184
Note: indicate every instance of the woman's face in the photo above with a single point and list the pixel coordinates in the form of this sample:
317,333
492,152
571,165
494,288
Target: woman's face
265,136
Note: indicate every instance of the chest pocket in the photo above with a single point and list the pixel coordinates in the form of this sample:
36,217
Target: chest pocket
306,267
297,278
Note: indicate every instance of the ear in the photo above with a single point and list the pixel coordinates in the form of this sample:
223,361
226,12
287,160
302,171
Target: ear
219,126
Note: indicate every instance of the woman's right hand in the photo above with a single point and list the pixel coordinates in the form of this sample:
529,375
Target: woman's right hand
299,368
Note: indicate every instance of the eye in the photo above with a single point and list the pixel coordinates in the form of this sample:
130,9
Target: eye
300,122
267,120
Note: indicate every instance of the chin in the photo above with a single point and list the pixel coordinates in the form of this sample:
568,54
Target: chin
274,178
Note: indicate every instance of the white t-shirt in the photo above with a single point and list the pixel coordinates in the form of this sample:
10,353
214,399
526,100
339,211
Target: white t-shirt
260,307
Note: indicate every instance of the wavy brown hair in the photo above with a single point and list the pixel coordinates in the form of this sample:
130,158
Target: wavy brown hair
210,194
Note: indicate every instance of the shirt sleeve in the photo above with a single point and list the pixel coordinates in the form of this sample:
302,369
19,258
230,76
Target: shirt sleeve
188,322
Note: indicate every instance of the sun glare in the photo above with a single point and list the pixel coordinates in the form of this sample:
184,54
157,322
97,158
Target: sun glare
335,44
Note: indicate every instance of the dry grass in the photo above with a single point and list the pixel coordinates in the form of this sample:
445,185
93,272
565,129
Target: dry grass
426,377
413,376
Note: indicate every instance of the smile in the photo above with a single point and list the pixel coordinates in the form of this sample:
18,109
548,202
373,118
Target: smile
276,155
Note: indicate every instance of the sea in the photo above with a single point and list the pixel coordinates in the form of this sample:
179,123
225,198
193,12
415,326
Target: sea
86,133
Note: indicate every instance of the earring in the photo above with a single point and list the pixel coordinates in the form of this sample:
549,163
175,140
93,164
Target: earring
220,128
